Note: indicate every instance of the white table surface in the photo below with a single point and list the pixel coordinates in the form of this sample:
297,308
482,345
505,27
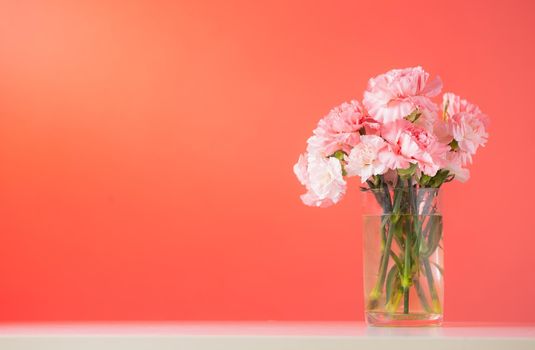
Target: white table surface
262,336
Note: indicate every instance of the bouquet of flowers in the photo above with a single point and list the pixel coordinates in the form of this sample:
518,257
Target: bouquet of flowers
401,144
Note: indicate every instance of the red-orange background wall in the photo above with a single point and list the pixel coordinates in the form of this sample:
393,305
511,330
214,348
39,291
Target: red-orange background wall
146,152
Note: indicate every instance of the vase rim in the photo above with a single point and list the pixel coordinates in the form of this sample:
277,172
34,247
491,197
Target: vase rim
375,190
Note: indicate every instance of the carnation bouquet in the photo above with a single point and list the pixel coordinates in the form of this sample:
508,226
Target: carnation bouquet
403,146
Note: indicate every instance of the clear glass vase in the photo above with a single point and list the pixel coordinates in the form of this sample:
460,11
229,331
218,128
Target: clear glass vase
403,256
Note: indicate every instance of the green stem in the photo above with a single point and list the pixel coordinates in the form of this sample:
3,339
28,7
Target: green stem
431,282
397,260
426,198
386,192
377,290
406,280
436,307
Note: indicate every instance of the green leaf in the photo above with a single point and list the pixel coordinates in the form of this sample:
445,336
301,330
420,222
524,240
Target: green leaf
339,155
437,180
414,116
429,245
454,145
376,181
450,178
406,173
424,180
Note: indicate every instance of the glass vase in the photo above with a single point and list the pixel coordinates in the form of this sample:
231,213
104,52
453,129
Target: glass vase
403,256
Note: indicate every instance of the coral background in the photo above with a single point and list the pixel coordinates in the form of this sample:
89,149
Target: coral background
146,153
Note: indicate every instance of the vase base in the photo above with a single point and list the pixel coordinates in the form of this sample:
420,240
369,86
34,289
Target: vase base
385,319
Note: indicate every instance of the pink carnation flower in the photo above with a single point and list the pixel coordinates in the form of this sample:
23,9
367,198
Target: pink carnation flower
339,130
364,159
410,143
465,123
454,163
397,93
322,178
454,104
